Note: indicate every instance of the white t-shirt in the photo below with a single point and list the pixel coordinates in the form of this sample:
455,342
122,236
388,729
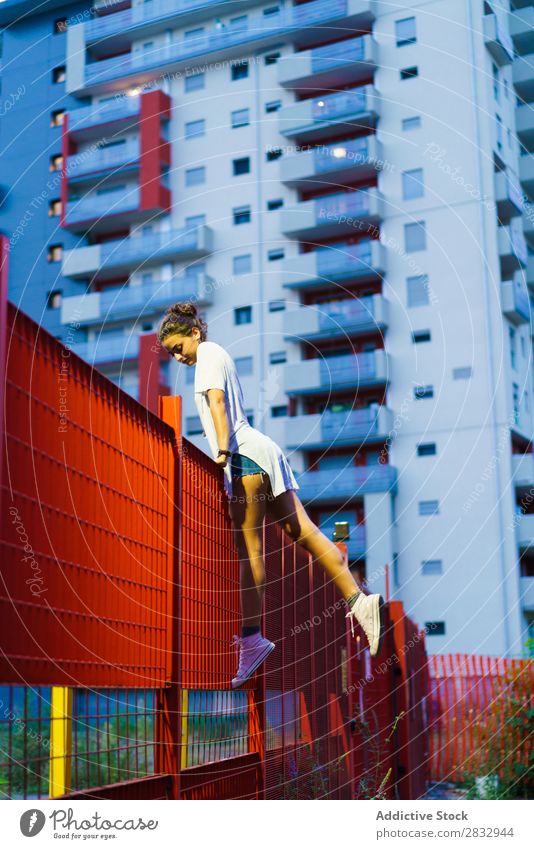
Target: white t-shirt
215,369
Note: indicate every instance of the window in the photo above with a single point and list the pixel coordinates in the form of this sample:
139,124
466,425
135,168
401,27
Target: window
243,315
412,184
193,425
193,129
421,336
405,31
495,72
55,253
515,400
59,74
240,118
278,412
277,357
194,82
277,306
244,365
54,208
512,335
56,162
242,264
271,58
462,373
273,153
411,123
277,203
195,176
238,23
432,567
56,118
241,214
428,508
191,34
241,166
414,237
271,10
499,131
193,221
523,347
60,25
408,73
435,629
240,71
426,449
53,299
250,416
275,253
417,291
273,106
423,392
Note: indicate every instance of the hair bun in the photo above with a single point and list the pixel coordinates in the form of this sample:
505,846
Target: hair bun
183,308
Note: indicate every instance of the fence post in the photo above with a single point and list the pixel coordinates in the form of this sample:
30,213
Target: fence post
4,261
59,775
168,725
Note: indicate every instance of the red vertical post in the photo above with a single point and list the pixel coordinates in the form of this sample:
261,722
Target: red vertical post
4,267
169,729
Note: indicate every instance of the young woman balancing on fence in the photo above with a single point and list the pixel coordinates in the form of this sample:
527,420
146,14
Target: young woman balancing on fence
258,480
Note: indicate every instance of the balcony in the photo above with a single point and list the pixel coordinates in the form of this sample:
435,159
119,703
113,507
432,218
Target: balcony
529,274
346,484
526,172
512,247
331,374
302,25
515,299
526,590
343,163
356,542
342,112
120,256
363,261
121,302
508,196
521,28
525,531
497,40
111,210
524,121
322,430
523,77
116,158
122,113
336,319
330,66
333,215
523,470
108,349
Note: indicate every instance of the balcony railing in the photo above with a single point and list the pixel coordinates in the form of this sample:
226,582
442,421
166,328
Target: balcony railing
343,62
346,484
515,299
512,246
341,161
324,375
313,117
525,531
497,40
523,470
337,214
320,430
104,159
364,260
95,206
120,108
108,349
508,195
523,77
336,318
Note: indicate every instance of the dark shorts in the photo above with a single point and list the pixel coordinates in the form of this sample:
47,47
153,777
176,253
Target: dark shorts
241,465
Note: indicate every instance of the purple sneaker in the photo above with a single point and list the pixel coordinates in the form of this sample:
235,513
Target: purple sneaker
253,651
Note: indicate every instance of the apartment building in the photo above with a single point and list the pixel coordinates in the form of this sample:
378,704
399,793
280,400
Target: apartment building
345,189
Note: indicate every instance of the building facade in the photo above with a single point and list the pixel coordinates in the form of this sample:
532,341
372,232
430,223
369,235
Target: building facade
345,191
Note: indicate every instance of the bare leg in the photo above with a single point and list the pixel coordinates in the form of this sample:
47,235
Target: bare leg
247,511
288,510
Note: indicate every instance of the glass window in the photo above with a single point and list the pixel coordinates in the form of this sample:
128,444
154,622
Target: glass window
405,31
408,73
277,306
242,264
414,237
435,629
277,357
194,82
412,184
241,215
275,253
240,70
59,74
432,567
193,221
193,129
463,373
277,203
421,336
195,176
193,426
243,315
417,291
240,118
271,58
273,153
426,449
423,392
244,365
428,508
273,106
278,412
411,123
241,166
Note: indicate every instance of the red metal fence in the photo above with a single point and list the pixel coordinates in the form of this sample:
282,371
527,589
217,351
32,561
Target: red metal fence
119,599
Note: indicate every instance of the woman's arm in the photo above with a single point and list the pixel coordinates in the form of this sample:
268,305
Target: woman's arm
217,403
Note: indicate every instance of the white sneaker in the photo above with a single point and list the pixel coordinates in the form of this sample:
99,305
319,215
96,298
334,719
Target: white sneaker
367,610
253,650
